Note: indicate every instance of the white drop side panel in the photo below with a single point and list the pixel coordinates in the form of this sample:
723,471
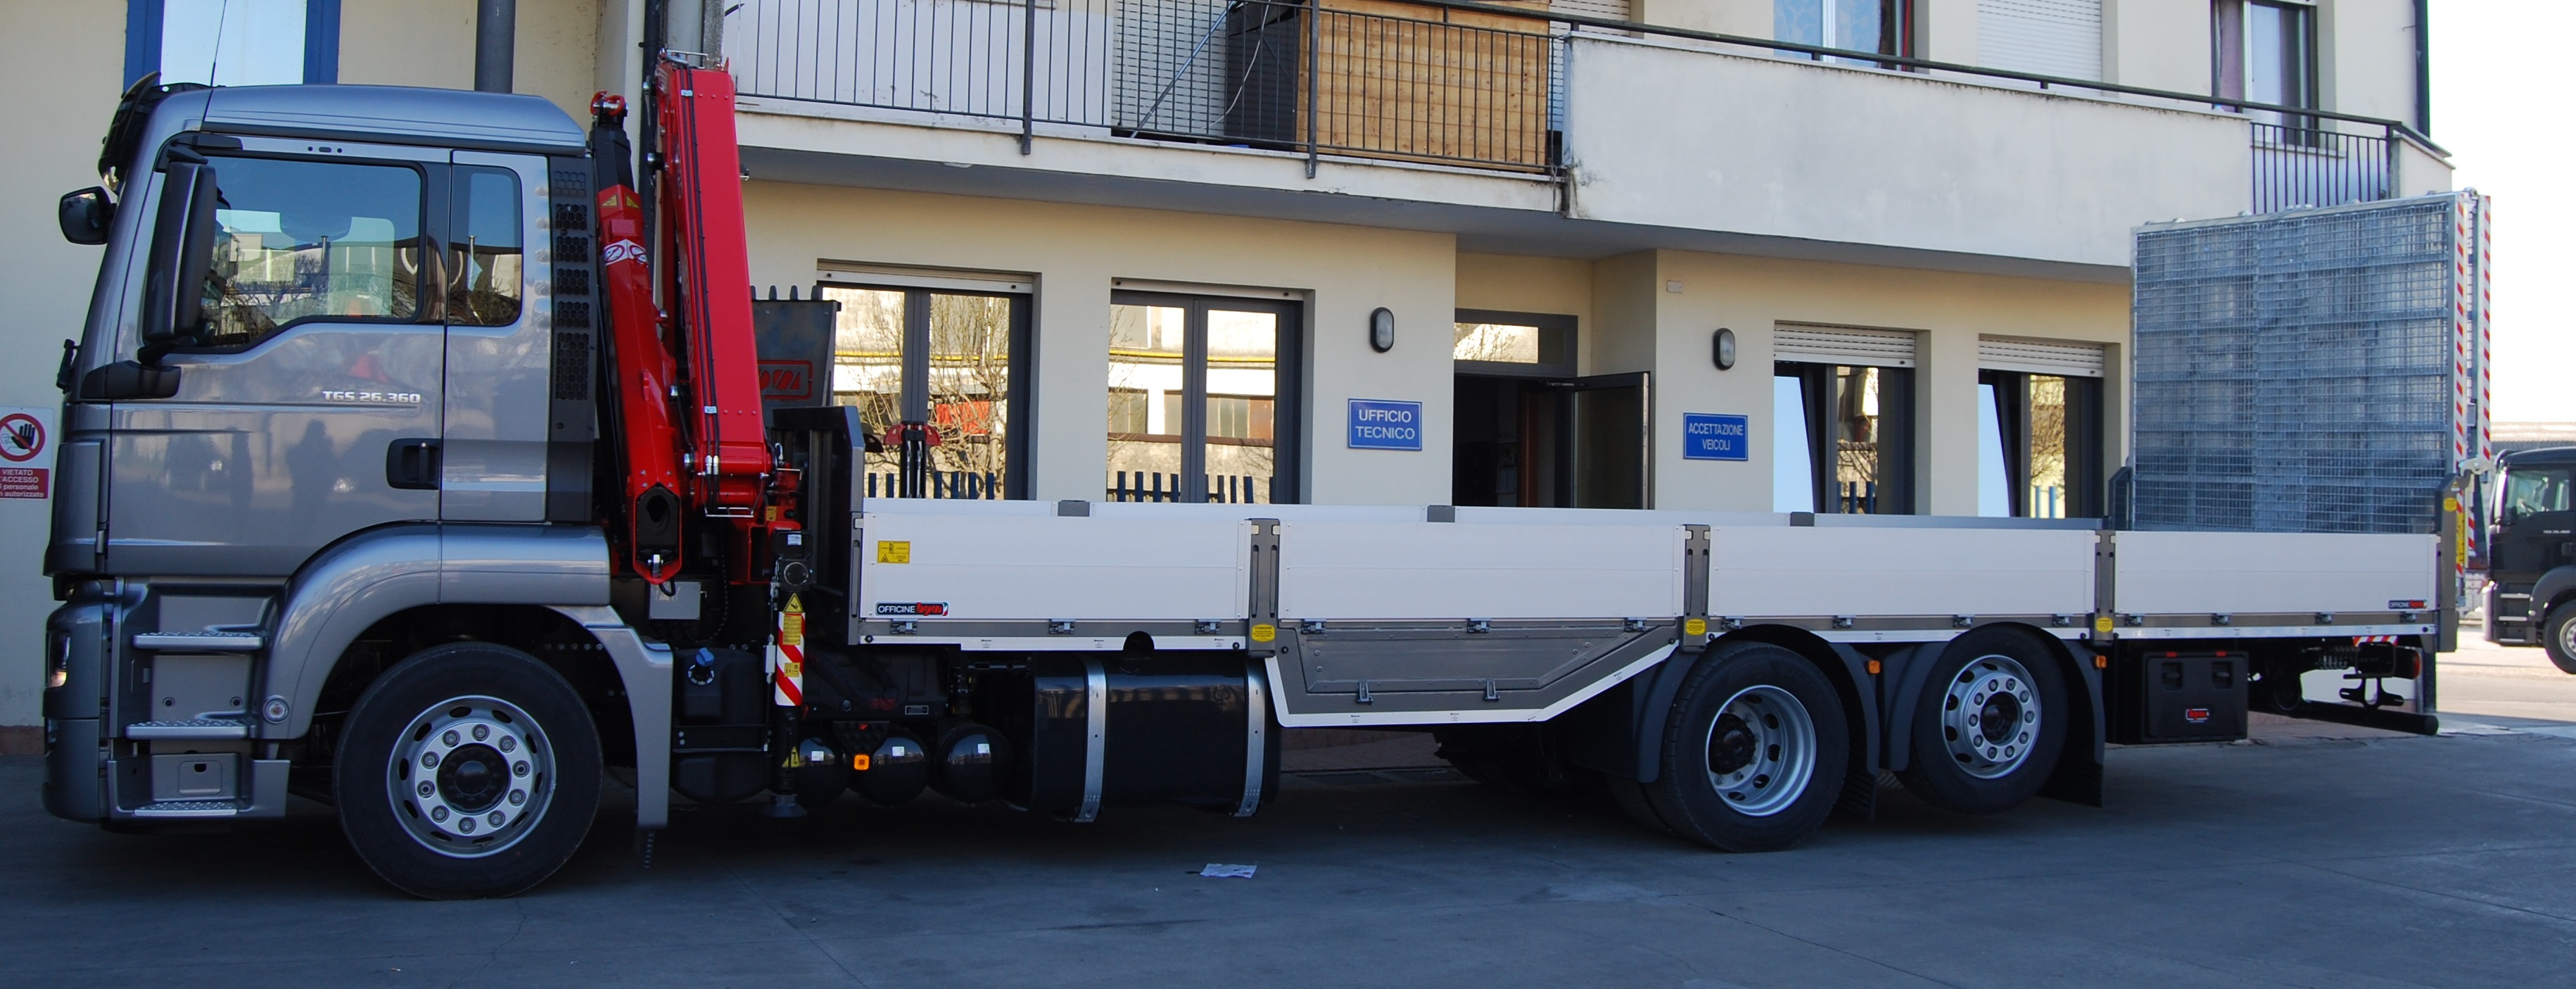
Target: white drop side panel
1435,570
1036,567
1803,571
2271,572
2047,37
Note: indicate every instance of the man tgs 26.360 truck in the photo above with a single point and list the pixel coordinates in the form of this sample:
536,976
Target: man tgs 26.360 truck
414,462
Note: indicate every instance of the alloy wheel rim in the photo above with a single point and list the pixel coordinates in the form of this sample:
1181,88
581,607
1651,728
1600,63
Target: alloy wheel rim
470,776
1761,750
1990,716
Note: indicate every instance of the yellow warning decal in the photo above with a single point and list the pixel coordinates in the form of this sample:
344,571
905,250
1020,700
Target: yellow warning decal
1264,632
892,551
791,623
1695,626
2102,624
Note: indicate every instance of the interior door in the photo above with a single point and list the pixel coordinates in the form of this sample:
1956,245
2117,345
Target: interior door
323,367
1608,417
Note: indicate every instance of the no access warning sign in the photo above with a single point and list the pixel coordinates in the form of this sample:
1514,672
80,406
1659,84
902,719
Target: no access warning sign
23,436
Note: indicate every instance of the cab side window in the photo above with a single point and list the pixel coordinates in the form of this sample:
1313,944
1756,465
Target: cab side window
2531,492
485,273
301,240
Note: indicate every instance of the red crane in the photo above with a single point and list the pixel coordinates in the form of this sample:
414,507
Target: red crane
690,439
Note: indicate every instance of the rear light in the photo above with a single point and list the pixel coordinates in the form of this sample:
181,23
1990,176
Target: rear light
58,660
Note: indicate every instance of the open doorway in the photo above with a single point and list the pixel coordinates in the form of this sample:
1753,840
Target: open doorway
1532,433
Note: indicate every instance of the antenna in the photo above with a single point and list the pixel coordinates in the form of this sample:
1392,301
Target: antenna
215,56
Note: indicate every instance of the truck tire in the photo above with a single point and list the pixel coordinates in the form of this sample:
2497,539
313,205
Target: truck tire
2558,637
1753,752
1989,725
468,770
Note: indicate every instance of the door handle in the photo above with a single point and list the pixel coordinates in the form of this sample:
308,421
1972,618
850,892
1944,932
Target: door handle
411,464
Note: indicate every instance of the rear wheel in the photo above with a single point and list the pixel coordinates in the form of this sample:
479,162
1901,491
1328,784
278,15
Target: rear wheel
1753,753
2558,636
468,770
1989,726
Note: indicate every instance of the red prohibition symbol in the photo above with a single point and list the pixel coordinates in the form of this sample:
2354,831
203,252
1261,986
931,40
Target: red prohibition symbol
22,437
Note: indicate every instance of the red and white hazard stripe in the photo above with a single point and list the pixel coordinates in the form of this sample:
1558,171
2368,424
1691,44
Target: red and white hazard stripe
787,656
2486,327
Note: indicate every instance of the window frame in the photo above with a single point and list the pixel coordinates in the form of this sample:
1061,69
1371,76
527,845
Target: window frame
1021,394
2085,439
2231,60
454,238
1288,425
1897,419
430,308
1896,33
144,18
1563,330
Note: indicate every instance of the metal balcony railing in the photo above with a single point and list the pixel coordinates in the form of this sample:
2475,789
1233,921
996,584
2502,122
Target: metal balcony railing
1318,76
2305,164
1453,82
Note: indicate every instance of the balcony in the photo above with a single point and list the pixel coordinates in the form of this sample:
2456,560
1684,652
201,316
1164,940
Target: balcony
1519,129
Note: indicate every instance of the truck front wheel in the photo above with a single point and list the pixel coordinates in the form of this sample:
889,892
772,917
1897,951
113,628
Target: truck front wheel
468,770
1753,753
1990,723
2558,637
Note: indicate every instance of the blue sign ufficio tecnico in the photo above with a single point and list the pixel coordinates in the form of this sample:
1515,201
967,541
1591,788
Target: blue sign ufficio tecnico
1715,436
1383,425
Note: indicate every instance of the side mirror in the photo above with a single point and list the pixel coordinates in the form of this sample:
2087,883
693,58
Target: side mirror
183,247
85,214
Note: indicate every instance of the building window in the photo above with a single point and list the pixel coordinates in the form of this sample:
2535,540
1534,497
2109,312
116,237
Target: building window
2264,51
1508,343
1844,438
1882,26
949,361
2039,445
1201,399
233,42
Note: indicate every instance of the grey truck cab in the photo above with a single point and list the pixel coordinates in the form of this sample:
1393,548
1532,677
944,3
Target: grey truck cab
332,409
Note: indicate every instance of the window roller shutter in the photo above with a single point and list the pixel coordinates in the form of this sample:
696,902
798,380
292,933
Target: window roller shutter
1615,10
2047,37
2074,360
1843,345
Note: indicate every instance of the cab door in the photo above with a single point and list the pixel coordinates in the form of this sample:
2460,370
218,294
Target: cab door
2534,526
313,406
499,342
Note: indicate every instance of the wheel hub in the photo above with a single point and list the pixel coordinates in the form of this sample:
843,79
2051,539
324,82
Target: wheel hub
1990,716
1731,747
470,775
1761,750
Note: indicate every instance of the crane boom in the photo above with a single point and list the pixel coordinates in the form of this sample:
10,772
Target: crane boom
685,379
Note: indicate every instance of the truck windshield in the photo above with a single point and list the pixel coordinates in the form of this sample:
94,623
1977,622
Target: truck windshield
2533,490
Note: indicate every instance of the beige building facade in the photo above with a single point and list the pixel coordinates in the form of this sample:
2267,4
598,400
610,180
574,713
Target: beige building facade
1647,268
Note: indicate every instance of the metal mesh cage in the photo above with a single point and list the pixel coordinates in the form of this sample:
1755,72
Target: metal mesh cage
2296,372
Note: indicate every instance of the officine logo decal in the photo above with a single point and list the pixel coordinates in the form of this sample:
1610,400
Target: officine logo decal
912,609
